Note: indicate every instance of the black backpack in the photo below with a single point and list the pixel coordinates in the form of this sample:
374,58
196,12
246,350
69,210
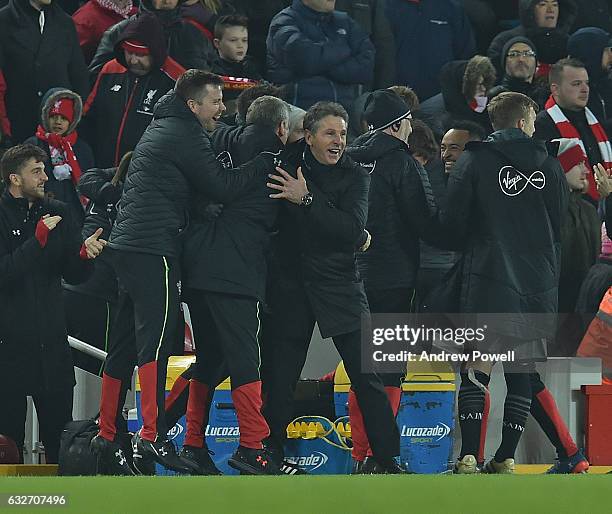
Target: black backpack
75,456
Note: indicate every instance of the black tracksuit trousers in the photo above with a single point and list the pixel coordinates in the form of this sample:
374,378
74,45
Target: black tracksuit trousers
148,308
285,346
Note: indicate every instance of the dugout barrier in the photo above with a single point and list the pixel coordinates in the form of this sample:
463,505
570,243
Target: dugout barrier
563,376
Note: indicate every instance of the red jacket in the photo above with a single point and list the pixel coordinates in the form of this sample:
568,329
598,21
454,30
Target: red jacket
93,19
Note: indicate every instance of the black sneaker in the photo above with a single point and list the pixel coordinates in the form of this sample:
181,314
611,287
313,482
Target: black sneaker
198,459
277,454
143,463
357,467
387,467
369,467
289,468
253,462
161,451
111,459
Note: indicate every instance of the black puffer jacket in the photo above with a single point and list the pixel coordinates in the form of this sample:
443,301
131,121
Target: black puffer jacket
173,160
320,56
227,254
551,44
508,197
315,247
185,43
398,211
34,349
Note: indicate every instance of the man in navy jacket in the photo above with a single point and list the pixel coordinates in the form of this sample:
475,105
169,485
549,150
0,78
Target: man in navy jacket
323,54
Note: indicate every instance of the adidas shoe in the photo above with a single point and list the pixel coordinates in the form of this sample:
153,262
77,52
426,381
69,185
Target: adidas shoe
111,459
161,451
357,467
369,466
577,463
251,461
499,468
466,466
198,459
276,453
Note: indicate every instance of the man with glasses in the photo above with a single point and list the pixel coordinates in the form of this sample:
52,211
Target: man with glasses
518,60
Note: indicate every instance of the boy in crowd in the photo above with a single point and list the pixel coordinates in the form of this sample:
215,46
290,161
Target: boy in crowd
232,43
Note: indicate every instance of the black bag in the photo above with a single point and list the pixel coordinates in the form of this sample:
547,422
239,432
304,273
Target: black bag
75,456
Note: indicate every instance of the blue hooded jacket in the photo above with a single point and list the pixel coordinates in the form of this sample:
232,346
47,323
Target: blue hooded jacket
428,34
323,56
587,45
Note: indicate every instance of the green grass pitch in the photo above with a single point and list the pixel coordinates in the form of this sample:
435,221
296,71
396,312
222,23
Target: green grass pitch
422,494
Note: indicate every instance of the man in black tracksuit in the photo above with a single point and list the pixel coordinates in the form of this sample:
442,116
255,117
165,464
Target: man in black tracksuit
507,197
224,262
120,105
315,278
39,245
173,159
400,211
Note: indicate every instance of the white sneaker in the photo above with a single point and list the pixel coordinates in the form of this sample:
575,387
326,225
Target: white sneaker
466,466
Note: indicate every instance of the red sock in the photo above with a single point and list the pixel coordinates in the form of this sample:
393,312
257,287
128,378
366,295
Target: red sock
177,390
147,375
550,408
358,431
483,428
253,426
197,413
109,406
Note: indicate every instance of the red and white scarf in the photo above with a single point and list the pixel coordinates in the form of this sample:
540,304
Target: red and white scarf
567,130
63,159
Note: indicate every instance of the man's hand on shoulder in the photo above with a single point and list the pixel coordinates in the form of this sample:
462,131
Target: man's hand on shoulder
292,189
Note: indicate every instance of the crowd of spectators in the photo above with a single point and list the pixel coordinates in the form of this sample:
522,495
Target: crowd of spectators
81,81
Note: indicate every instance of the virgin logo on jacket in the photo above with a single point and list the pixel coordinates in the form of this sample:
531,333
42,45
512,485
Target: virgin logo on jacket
513,182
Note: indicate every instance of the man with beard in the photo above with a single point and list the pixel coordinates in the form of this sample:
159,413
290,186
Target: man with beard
120,106
173,159
183,42
39,246
324,199
518,60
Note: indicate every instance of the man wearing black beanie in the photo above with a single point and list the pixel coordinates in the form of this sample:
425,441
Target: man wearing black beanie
401,210
519,60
